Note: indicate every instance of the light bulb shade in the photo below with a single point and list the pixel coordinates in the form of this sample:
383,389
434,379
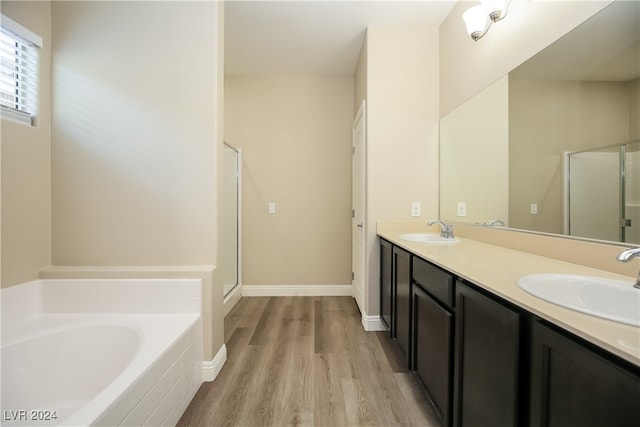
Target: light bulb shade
475,20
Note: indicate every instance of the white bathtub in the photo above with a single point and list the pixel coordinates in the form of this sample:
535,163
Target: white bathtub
135,359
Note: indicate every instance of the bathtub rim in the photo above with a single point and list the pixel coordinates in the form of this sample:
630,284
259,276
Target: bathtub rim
144,361
15,315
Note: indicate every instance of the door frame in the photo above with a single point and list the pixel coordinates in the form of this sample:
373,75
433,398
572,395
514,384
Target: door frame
359,217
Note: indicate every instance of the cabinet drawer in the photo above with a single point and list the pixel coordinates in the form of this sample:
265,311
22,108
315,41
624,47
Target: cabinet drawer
437,282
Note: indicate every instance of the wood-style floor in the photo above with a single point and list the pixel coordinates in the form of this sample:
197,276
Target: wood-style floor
307,361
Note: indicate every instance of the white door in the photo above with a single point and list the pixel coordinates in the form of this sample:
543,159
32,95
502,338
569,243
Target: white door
358,224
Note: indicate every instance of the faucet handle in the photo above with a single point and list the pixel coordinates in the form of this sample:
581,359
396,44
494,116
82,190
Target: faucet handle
447,229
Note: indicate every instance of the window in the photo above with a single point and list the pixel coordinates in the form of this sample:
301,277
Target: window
18,71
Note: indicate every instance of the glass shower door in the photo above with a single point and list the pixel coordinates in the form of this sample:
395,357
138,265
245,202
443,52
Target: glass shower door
231,216
604,193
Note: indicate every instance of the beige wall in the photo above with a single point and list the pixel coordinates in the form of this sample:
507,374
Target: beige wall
134,155
467,67
25,154
402,132
634,110
135,139
295,134
474,157
214,294
360,79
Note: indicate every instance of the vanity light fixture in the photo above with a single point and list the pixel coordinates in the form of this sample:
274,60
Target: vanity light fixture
478,19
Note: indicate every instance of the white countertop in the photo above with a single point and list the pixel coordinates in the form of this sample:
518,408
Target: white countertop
497,270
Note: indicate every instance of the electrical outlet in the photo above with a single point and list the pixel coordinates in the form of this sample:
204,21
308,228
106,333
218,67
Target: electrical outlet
415,209
461,209
534,209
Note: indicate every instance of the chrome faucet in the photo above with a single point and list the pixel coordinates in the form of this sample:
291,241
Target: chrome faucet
447,229
492,223
628,255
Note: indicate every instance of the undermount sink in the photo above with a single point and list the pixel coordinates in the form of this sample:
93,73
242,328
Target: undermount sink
426,238
607,298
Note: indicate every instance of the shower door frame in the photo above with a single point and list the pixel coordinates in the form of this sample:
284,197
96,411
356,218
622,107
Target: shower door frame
621,188
236,290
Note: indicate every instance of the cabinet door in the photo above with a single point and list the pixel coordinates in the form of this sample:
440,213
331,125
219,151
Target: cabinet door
573,386
487,361
402,285
386,288
433,350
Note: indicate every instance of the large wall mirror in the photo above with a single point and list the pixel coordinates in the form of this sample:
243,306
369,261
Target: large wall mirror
554,146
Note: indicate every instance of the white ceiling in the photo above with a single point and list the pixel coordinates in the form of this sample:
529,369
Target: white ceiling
313,37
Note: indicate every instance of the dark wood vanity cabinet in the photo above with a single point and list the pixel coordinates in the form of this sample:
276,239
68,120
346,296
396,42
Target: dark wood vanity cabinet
433,334
487,361
402,309
573,385
386,285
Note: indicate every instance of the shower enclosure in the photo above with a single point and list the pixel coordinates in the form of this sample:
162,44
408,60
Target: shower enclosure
602,193
232,161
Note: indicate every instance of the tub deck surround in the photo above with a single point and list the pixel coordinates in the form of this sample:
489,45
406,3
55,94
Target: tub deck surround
101,352
212,305
497,269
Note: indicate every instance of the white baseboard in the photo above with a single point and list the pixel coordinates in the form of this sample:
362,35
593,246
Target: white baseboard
211,368
296,290
372,323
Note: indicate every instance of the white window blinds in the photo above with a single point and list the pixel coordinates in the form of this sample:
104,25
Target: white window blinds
18,71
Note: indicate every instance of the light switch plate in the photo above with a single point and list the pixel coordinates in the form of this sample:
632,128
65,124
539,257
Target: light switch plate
272,207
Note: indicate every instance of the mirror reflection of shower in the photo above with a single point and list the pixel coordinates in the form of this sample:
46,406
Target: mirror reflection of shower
603,193
232,167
